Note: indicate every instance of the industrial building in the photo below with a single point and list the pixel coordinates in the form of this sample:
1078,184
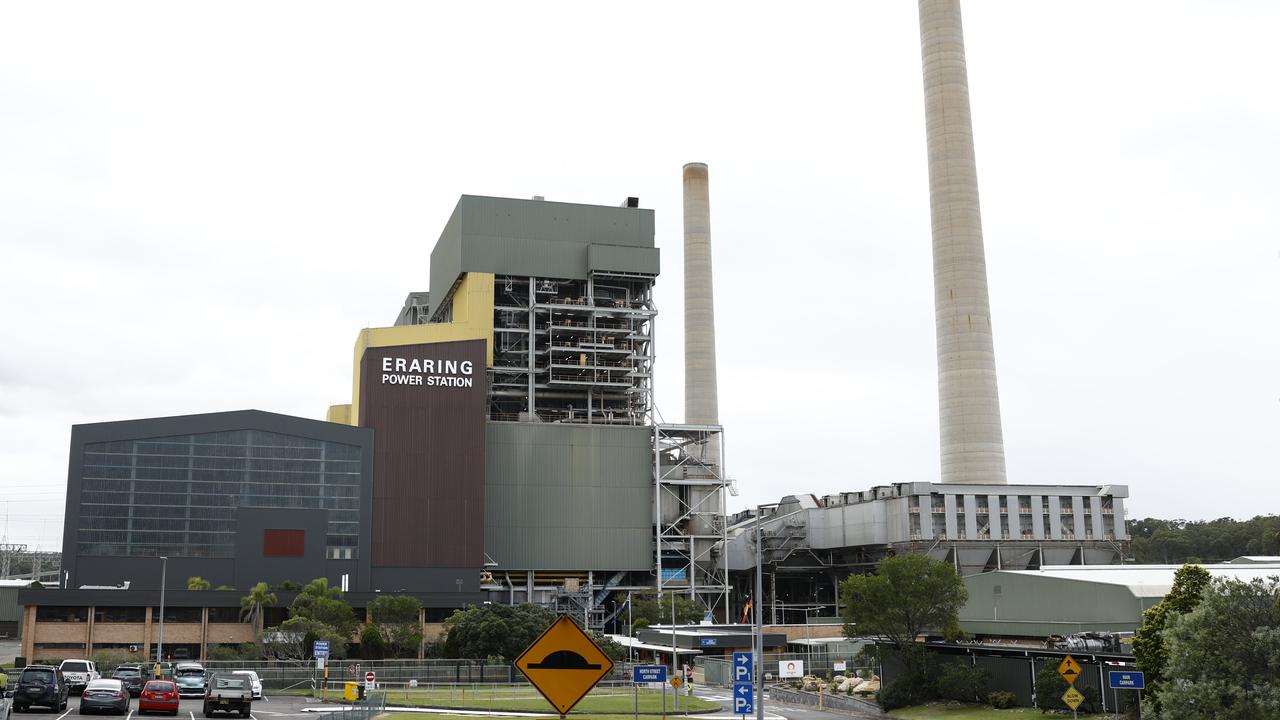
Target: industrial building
1063,600
811,544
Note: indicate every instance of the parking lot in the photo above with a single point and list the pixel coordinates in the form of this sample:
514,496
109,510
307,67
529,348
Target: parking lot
268,708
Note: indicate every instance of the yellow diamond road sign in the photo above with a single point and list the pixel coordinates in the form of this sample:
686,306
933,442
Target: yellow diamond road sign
564,664
1072,698
1069,669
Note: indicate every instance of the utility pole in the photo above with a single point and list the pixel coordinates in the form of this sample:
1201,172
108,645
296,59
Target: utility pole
758,603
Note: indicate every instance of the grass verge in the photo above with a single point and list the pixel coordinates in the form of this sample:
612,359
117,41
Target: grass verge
605,701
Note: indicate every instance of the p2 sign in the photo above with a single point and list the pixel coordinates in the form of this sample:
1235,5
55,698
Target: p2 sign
742,699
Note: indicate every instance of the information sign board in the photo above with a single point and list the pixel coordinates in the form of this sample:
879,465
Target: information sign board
320,648
743,667
743,698
649,673
1126,680
790,668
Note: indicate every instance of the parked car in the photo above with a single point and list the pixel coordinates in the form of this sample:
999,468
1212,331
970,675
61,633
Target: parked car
79,673
190,679
41,685
159,696
228,692
105,696
254,680
133,677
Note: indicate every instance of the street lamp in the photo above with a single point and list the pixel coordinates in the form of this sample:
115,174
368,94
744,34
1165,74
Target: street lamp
164,566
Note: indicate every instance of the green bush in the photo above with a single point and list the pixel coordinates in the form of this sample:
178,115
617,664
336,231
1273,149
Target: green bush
1002,699
963,683
372,646
905,692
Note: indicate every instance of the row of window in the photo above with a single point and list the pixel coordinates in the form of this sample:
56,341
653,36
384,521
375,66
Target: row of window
103,461
71,613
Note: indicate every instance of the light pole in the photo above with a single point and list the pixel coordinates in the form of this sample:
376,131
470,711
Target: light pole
758,601
630,632
164,567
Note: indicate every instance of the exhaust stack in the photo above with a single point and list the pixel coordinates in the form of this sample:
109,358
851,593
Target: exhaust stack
968,401
701,406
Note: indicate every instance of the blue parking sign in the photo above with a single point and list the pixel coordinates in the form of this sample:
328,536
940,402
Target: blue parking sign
742,667
742,699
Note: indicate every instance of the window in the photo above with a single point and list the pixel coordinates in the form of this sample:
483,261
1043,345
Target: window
119,615
60,613
177,495
224,615
177,615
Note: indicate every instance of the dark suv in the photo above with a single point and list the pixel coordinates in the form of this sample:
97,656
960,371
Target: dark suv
40,685
133,677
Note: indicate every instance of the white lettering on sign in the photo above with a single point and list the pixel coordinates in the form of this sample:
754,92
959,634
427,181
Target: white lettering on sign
428,372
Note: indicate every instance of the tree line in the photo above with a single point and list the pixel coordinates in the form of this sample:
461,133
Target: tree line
1174,542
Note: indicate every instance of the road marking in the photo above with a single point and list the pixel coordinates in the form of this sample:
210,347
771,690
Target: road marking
130,715
193,715
68,712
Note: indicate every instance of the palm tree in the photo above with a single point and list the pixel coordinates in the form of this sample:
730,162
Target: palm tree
251,606
197,583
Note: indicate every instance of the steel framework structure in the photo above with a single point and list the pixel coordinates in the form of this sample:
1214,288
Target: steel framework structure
689,513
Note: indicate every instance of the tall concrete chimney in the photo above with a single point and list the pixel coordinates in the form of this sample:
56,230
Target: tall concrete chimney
968,402
701,406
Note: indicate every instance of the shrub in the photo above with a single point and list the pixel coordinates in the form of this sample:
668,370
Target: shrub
963,683
372,646
1002,699
904,692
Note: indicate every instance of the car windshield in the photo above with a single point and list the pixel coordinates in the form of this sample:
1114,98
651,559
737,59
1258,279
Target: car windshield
104,685
38,676
75,667
127,672
247,673
160,686
189,671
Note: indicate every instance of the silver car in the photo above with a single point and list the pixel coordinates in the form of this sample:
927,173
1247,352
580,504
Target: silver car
104,696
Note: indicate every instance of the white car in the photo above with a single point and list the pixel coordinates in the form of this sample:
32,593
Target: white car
79,673
256,681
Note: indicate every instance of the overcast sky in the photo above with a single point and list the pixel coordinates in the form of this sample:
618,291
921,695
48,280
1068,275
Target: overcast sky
201,205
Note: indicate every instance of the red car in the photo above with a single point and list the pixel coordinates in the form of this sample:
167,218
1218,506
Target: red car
159,695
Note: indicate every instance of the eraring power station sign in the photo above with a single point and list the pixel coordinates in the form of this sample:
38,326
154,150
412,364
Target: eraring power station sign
428,372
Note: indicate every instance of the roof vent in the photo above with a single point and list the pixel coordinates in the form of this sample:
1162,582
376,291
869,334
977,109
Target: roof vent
631,202
539,198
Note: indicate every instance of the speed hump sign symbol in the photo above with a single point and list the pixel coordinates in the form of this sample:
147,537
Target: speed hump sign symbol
564,664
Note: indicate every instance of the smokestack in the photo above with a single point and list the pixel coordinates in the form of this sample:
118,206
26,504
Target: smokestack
968,402
700,403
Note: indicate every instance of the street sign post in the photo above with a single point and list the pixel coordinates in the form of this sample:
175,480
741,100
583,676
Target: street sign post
649,674
320,648
1069,669
369,680
1072,697
564,664
1119,680
744,676
742,699
1126,680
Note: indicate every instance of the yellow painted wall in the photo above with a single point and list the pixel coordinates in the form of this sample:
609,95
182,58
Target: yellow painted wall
472,320
339,414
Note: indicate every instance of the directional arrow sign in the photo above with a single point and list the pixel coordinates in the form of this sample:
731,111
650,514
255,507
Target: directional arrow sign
742,667
1069,669
1072,697
564,664
742,699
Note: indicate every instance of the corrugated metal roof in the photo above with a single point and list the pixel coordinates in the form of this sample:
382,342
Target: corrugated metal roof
1145,580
